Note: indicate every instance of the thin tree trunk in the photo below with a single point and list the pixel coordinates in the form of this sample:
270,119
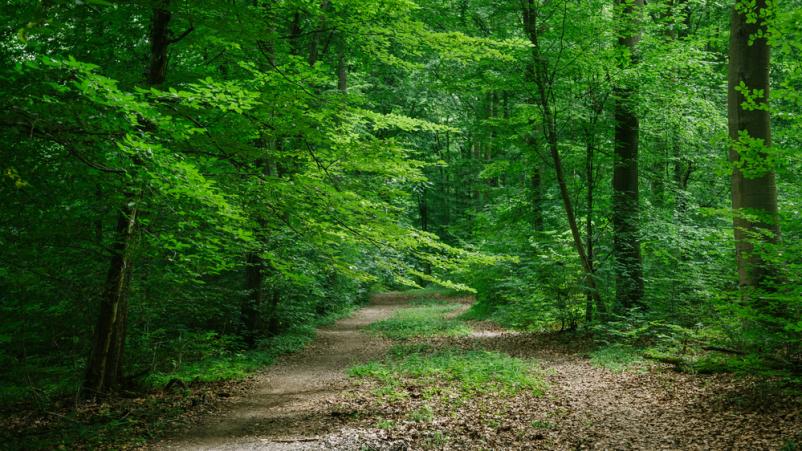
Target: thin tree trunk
541,78
589,221
753,193
596,107
626,210
683,168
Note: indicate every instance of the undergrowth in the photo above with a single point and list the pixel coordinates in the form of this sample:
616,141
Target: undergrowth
617,358
58,421
470,372
237,365
427,319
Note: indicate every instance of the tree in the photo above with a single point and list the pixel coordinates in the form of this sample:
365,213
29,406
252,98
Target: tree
754,189
626,220
104,370
543,78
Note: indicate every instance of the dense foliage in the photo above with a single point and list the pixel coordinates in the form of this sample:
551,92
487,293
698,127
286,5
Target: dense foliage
188,188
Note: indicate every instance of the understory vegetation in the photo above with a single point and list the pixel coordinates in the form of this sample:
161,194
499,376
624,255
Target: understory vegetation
500,388
427,320
425,376
471,371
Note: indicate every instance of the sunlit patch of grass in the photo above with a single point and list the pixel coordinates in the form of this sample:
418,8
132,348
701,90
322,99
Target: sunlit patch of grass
617,358
422,321
541,424
422,414
385,423
468,372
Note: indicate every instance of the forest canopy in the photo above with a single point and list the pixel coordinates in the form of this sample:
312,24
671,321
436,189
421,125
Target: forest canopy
186,183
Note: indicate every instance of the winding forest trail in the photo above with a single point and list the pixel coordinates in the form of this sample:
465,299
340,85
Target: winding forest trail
290,405
306,401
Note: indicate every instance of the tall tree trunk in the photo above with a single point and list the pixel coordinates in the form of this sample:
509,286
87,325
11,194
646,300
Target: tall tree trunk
536,183
342,65
159,43
255,265
589,152
104,368
753,193
317,35
626,220
295,34
541,72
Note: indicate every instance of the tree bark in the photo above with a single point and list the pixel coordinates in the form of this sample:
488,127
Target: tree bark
104,369
753,194
626,210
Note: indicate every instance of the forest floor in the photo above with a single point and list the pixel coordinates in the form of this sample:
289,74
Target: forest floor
405,374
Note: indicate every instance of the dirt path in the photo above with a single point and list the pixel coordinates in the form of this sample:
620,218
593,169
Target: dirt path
290,405
307,402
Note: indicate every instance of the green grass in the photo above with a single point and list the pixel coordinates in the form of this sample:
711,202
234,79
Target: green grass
479,311
541,424
424,320
426,302
423,414
470,372
617,358
385,423
433,290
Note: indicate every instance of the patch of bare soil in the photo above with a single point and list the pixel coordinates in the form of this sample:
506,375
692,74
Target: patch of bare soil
291,405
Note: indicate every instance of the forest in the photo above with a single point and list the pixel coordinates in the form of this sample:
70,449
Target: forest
401,224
